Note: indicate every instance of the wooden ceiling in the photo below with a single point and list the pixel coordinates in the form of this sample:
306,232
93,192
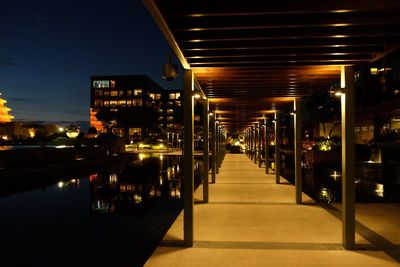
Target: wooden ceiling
258,54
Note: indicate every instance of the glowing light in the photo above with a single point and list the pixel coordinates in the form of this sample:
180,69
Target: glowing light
197,95
113,178
143,156
341,11
61,129
32,132
335,175
60,184
137,198
342,77
338,93
72,133
379,190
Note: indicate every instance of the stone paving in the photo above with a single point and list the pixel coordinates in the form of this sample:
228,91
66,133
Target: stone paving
251,221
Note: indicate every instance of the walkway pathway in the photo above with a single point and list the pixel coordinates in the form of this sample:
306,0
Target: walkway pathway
251,221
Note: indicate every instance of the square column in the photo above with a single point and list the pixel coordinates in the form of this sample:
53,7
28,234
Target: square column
255,143
297,150
213,149
206,144
251,142
259,144
266,146
348,158
218,146
188,158
277,153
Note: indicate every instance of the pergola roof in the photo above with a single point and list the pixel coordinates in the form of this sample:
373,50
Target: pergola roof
257,52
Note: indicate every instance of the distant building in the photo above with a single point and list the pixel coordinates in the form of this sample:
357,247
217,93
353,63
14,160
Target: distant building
173,111
134,106
25,129
4,111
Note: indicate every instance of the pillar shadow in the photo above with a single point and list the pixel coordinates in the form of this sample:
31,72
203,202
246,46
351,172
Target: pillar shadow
378,241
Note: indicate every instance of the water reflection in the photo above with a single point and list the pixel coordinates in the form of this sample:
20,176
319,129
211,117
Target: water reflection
115,215
139,184
374,181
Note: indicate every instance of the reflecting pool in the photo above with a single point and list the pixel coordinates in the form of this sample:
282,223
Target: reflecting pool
112,216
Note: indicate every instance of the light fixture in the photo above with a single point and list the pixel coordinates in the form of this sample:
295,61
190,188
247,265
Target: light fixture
170,70
196,95
293,113
338,93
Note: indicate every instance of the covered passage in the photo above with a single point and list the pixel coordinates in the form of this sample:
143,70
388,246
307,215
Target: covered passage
253,60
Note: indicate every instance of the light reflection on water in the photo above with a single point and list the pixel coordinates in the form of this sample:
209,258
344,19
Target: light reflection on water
115,216
374,181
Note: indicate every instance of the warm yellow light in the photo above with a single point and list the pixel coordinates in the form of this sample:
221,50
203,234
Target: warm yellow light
338,93
342,77
374,71
197,95
60,184
73,134
32,132
60,129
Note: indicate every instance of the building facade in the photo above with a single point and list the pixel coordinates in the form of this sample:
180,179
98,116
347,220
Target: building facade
133,107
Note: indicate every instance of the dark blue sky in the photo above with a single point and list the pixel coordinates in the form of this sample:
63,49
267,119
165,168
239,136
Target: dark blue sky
49,50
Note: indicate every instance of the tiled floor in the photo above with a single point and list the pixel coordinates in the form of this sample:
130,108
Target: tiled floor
251,221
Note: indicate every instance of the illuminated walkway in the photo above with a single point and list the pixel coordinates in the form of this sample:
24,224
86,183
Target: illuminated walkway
251,221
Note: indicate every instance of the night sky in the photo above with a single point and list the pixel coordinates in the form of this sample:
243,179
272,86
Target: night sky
49,50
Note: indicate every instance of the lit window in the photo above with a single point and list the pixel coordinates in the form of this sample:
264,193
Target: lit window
178,103
170,111
112,83
129,92
137,92
121,93
172,96
114,93
157,96
98,92
106,103
98,103
178,95
106,93
152,96
101,84
135,131
113,103
129,103
122,103
374,71
137,102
